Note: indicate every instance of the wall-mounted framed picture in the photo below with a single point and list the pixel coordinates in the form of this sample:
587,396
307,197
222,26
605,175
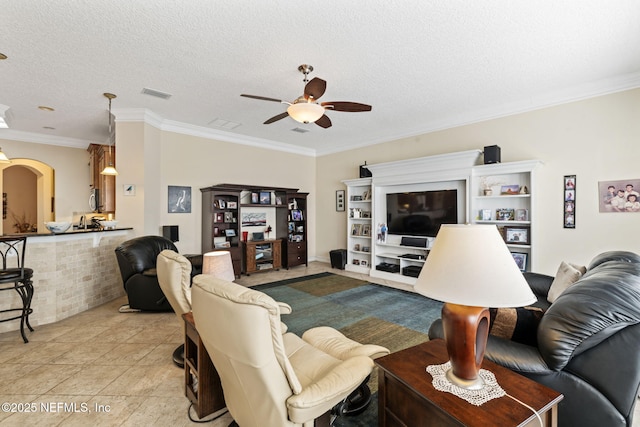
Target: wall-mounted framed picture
569,216
340,201
129,190
516,235
619,196
179,199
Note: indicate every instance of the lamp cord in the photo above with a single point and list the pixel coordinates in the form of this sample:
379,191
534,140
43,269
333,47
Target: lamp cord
204,421
527,406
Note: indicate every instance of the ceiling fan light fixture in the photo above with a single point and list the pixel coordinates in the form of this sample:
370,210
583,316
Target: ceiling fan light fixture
305,112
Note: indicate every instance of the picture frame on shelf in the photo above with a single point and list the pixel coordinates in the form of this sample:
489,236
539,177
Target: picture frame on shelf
296,215
366,249
278,200
521,260
356,229
340,206
232,205
505,214
255,198
366,230
228,217
364,263
356,247
509,190
265,198
230,232
516,235
222,204
298,238
258,235
485,214
219,217
522,214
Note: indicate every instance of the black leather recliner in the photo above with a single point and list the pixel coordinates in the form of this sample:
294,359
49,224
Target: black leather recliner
588,343
137,261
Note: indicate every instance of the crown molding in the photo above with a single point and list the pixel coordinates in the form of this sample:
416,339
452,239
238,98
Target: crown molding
40,138
153,119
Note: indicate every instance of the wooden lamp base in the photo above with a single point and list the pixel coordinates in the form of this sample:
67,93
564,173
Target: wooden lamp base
466,330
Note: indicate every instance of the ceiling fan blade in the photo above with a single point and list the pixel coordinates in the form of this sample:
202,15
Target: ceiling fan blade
276,118
263,98
315,88
353,107
324,121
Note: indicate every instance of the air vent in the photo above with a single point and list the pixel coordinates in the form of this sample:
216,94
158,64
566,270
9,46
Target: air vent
299,130
223,124
156,93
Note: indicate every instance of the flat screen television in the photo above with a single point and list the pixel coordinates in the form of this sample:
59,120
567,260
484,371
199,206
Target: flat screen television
421,213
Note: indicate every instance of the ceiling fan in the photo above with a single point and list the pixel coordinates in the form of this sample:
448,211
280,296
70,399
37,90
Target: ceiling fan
306,109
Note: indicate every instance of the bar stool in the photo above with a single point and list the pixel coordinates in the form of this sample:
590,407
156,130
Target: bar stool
14,276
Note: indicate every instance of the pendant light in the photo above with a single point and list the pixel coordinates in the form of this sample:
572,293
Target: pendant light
110,169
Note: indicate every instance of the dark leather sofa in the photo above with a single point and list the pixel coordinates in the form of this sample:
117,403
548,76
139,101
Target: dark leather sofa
137,262
588,343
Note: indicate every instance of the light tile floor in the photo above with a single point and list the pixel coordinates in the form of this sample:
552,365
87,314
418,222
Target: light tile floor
105,368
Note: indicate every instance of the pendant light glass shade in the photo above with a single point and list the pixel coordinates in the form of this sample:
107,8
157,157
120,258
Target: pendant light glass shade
110,169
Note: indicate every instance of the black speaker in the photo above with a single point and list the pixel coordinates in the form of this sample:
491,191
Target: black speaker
491,154
170,232
364,171
418,242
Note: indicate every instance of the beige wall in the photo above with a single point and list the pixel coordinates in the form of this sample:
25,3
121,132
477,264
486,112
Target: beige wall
597,139
153,160
71,174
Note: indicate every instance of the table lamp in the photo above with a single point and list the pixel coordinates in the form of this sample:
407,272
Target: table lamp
470,268
219,264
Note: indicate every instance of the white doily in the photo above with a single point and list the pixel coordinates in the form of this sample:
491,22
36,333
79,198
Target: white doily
490,391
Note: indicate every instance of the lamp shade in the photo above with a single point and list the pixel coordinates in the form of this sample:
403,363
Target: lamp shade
218,264
109,170
305,112
471,265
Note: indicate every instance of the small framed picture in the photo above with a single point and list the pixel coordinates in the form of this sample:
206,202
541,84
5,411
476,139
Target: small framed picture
366,249
356,229
232,205
222,204
485,214
230,232
505,214
296,215
356,247
228,217
516,235
255,198
356,262
521,260
339,200
522,215
257,236
509,190
219,217
366,229
265,198
278,200
364,262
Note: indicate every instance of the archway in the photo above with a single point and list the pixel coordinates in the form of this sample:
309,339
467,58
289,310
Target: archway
39,183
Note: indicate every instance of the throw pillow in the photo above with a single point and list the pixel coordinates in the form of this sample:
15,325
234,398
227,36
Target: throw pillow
567,275
516,324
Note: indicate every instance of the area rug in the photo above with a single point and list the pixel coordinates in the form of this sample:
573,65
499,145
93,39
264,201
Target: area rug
363,311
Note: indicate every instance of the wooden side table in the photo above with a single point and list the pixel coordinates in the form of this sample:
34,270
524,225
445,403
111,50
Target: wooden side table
202,382
406,396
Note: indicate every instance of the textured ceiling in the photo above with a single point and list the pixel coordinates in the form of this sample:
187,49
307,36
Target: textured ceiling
422,65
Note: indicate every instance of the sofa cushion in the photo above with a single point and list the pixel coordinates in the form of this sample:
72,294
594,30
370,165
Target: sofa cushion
567,275
516,324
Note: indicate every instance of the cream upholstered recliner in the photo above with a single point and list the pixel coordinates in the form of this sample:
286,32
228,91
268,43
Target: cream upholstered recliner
174,277
270,378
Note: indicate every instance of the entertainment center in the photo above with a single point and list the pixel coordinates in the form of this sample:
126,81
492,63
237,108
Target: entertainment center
394,216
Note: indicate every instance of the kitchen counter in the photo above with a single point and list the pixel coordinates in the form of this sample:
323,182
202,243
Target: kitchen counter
69,232
72,272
